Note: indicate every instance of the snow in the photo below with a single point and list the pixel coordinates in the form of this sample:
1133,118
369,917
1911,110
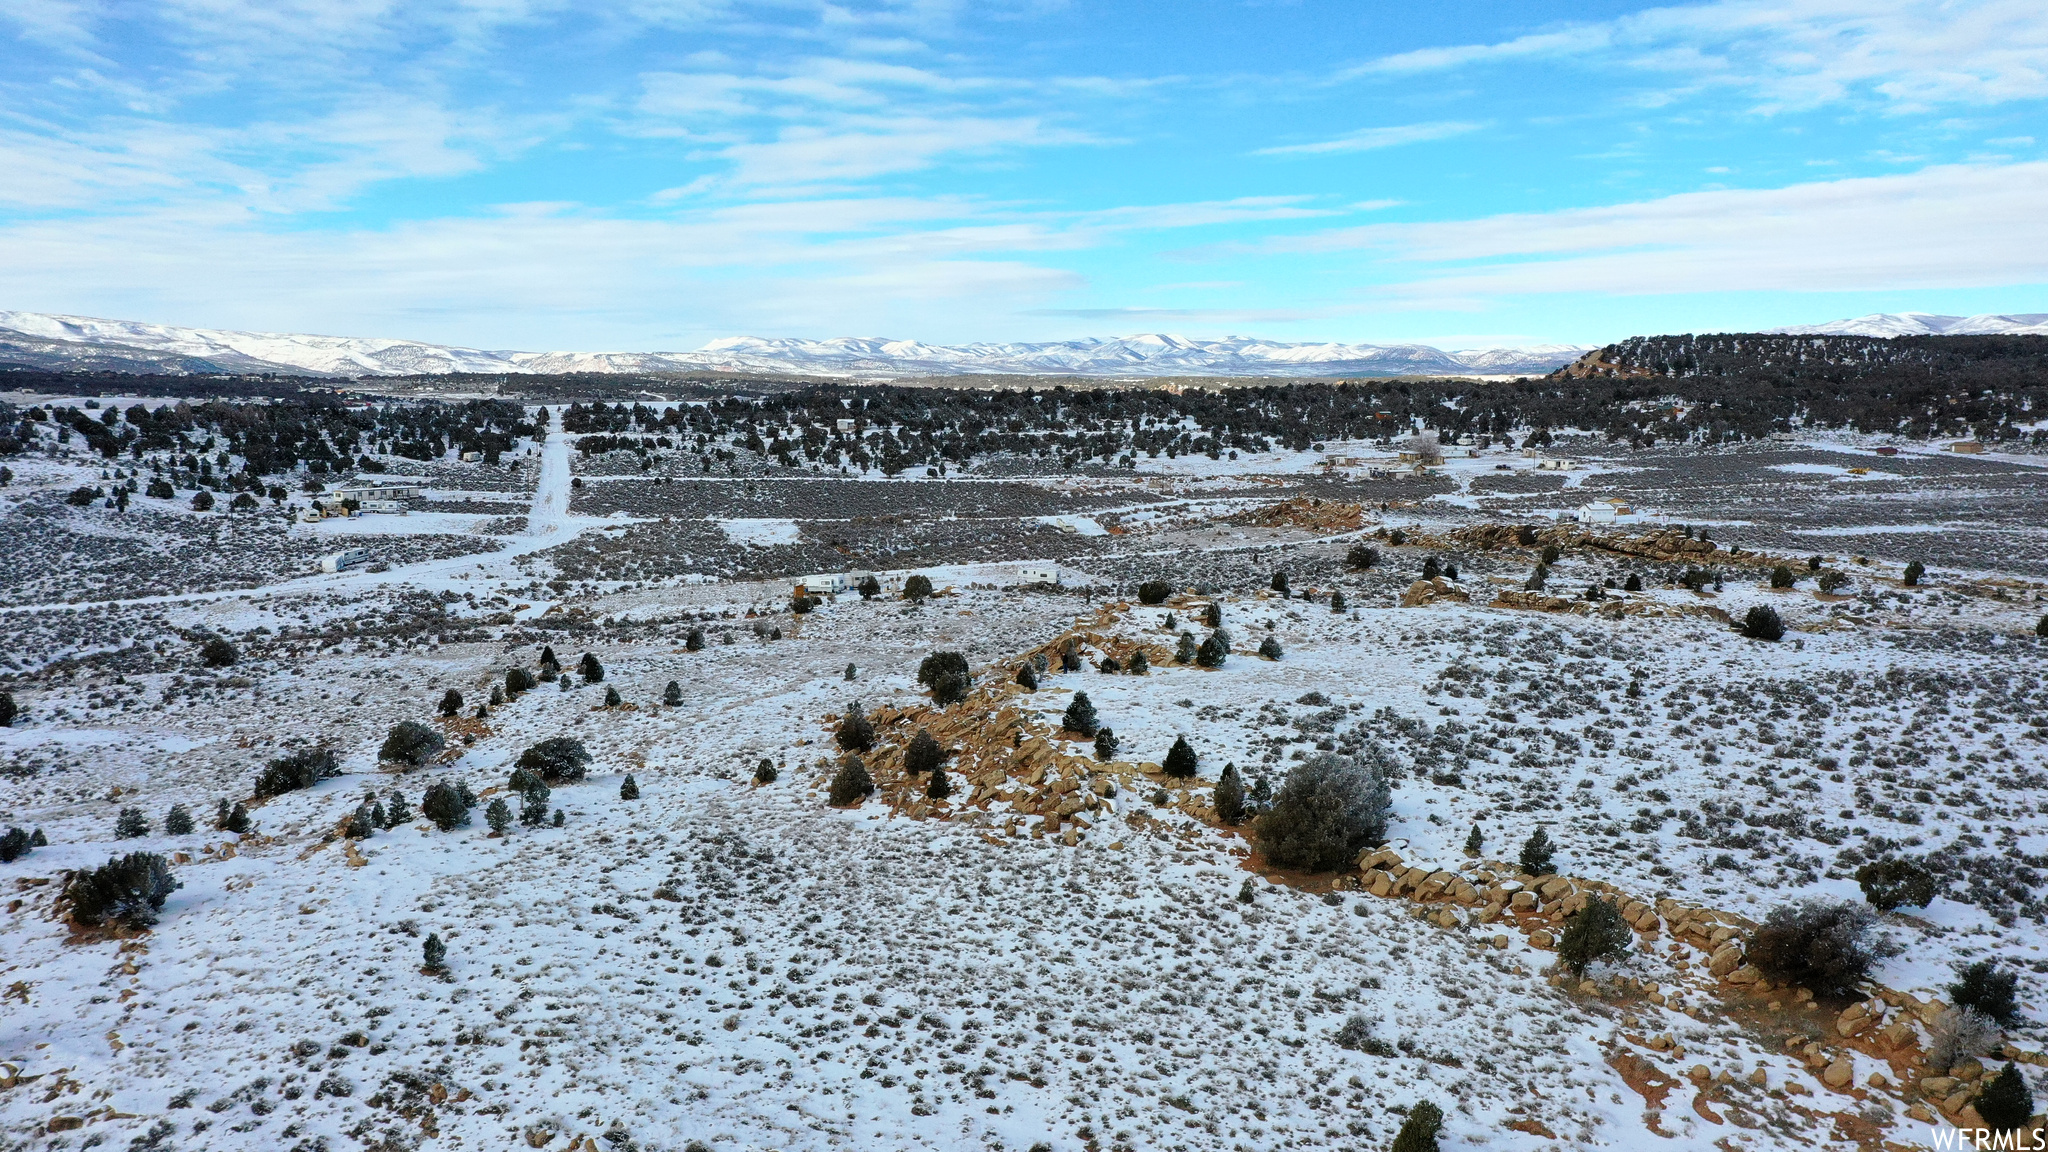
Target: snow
1927,324
760,532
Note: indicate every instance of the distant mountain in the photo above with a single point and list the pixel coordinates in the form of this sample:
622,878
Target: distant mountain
79,343
1927,324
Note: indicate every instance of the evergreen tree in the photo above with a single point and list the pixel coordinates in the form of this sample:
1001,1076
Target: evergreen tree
1080,718
1431,568
1450,571
1763,623
36,839
765,772
2006,1104
1537,578
1154,592
2040,629
519,680
590,668
1180,759
1212,616
497,695
1214,651
202,501
398,811
1989,989
444,806
178,821
870,587
629,788
1105,744
557,820
301,768
1475,842
1895,882
1109,666
1537,852
379,818
1337,602
694,642
1270,647
434,953
451,703
612,699
1028,677
218,653
1595,932
1279,583
856,732
1781,577
1634,583
1141,664
8,710
556,759
1914,572
1247,891
548,662
14,844
1551,553
1418,1131
852,673
1230,796
851,784
237,820
1184,652
130,824
533,804
917,587
939,786
923,755
1362,556
129,890
410,743
672,695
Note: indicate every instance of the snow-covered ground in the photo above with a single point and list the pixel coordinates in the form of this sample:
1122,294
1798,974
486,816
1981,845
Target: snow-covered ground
738,964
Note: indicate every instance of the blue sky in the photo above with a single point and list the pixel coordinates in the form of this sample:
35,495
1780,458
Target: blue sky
653,174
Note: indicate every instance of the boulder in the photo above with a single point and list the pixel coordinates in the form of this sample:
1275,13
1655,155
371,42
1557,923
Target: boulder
1524,901
1725,961
1839,1073
1430,591
1542,939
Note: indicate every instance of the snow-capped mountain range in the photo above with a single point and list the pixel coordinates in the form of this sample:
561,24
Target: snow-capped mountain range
80,343
1927,324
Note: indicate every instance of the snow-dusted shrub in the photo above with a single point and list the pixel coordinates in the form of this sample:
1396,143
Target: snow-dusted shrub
1989,989
443,805
1356,1035
1329,807
556,759
1763,623
923,755
1826,945
851,784
308,766
1154,592
128,890
130,824
1896,883
410,742
1958,1033
1418,1131
218,653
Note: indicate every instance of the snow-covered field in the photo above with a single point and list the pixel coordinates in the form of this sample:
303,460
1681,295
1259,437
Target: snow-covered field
736,964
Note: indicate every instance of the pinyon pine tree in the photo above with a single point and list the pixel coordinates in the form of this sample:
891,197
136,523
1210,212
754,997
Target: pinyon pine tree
1537,851
1180,759
1230,796
851,784
1080,717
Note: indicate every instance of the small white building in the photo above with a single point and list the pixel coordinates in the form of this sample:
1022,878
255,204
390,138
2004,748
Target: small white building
343,560
392,507
1607,512
1039,574
823,584
360,491
1554,464
843,424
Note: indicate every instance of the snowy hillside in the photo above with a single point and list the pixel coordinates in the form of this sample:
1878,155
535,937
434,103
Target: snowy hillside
1927,324
77,343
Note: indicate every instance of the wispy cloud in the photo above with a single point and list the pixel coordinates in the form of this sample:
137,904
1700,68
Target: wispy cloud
1366,139
1953,226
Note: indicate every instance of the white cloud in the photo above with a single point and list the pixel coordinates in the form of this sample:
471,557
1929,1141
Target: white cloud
1909,54
1956,226
1366,139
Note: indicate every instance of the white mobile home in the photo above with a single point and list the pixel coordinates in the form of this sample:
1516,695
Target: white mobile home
1039,574
343,560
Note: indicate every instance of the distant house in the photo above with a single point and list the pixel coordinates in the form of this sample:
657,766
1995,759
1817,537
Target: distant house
843,424
1423,457
343,560
361,491
1555,464
1967,447
1606,512
1038,574
1344,462
823,584
388,506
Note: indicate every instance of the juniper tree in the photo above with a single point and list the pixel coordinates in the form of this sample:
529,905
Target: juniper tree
218,653
1551,553
358,826
1105,744
1828,946
1080,717
629,788
1989,989
2007,1103
301,768
851,784
1028,677
434,954
1109,666
917,587
1180,759
672,695
129,890
1230,796
1634,583
443,805
398,811
1914,572
379,818
1475,841
1270,648
1418,1131
856,733
1595,932
130,824
765,772
556,759
235,819
1763,623
14,844
1537,852
1212,616
533,804
1246,892
612,699
548,662
1431,568
519,680
1781,577
1896,882
1537,578
694,642
939,787
8,710
1141,664
2040,629
1336,602
852,673
1450,570
1154,592
1279,583
497,695
923,754
1362,556
411,743
590,668
870,587
1213,651
1328,808
451,703
178,821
